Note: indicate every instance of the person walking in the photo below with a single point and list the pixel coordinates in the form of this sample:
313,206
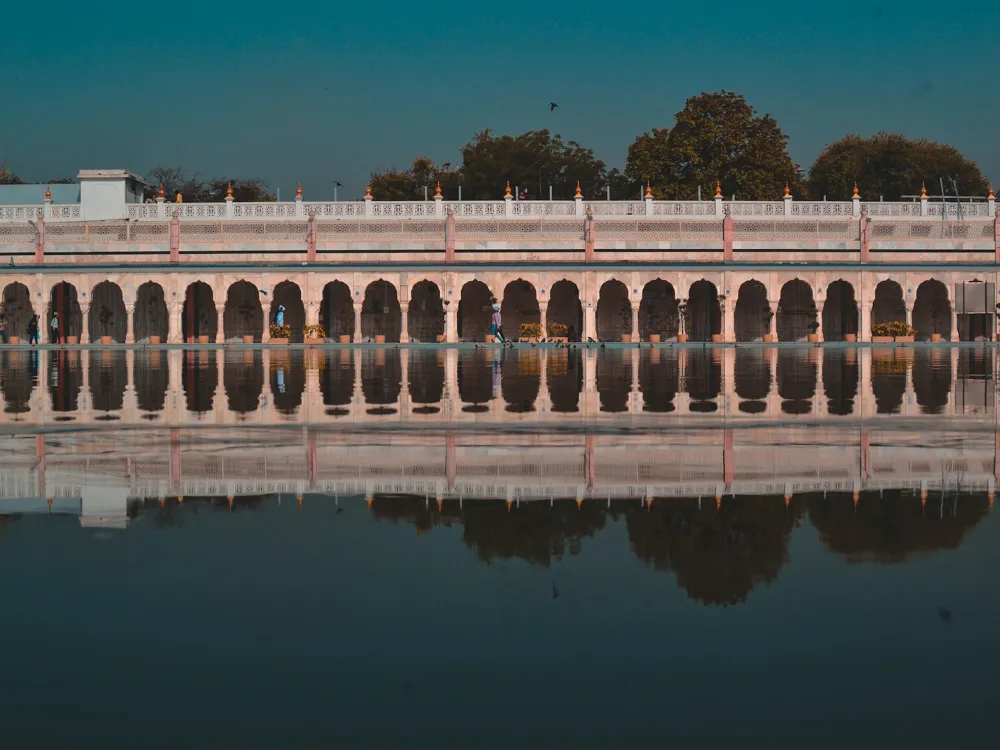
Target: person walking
3,328
54,328
33,329
279,317
496,330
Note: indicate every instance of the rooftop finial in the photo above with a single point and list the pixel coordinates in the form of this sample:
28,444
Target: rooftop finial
179,198
368,190
649,190
437,190
229,191
718,189
48,193
923,190
507,193
788,193
298,190
856,193
578,193
992,195
161,194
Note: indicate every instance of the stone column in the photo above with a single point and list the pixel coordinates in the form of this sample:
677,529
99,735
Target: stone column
404,331
728,320
819,319
543,311
635,397
85,328
174,334
589,321
130,325
865,313
357,322
220,332
954,325
453,402
729,380
635,321
909,313
451,324
404,380
772,324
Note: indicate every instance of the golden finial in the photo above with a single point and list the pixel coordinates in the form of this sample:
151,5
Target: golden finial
578,194
788,193
179,198
437,190
160,194
368,190
507,193
298,190
510,504
718,189
48,193
440,504
856,193
229,191
923,190
229,500
579,503
649,190
991,196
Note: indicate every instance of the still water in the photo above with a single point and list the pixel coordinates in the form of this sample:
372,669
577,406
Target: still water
527,548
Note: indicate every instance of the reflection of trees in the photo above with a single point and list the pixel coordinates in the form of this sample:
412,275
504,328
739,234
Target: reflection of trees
171,513
718,554
535,531
890,527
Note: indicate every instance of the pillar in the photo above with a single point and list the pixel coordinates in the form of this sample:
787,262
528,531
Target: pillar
635,321
130,324
175,330
451,324
404,332
772,324
865,313
954,324
819,319
728,320
84,328
357,322
543,311
589,321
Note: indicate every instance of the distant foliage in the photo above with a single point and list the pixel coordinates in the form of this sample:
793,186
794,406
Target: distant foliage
893,328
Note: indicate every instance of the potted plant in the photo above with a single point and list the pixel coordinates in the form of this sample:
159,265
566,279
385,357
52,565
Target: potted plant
813,336
104,317
344,338
280,334
558,332
314,334
682,336
248,338
881,333
903,332
379,333
439,338
769,338
530,332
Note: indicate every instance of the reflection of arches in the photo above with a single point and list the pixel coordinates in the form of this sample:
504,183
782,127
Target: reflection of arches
888,305
564,376
63,302
474,311
840,311
381,314
932,380
796,317
565,307
381,379
888,380
704,315
426,379
337,314
752,373
840,380
520,305
198,315
152,377
336,381
796,372
108,373
659,378
243,378
703,378
150,317
425,316
20,370
199,378
288,381
614,379
65,379
244,315
658,311
478,377
932,310
287,293
17,310
614,312
107,313
521,380
752,314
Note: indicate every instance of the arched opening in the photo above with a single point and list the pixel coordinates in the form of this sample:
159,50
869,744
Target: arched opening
840,380
614,379
479,376
381,314
288,295
64,306
381,379
20,373
565,308
614,312
199,378
840,311
150,317
703,378
752,378
337,315
752,314
65,379
659,379
888,305
198,314
796,380
288,380
932,311
152,378
703,317
658,311
17,310
243,378
425,316
520,305
932,380
425,378
564,376
796,312
336,381
474,311
243,316
521,380
108,373
107,313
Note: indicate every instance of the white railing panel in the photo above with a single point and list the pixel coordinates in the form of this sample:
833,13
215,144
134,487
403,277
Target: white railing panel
20,213
822,209
756,208
684,208
264,210
339,210
402,209
476,209
543,208
615,208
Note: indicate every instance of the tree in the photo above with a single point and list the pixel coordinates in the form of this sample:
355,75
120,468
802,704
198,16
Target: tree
408,184
716,137
194,189
890,166
7,176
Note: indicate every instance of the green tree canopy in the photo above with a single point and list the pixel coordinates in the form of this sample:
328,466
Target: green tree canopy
891,166
8,177
716,137
408,184
194,189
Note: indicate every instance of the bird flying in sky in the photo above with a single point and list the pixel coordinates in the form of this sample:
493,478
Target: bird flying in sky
552,106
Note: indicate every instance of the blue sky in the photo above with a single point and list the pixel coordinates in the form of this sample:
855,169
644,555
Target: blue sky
330,91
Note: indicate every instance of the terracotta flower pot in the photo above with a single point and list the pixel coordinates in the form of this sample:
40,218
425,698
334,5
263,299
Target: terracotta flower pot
105,340
682,338
203,339
654,338
528,340
490,339
278,342
154,339
850,337
812,338
439,338
881,339
770,338
716,338
904,339
379,338
72,339
313,340
935,338
14,340
248,339
345,339
626,338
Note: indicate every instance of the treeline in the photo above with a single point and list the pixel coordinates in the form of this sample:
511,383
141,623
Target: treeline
717,138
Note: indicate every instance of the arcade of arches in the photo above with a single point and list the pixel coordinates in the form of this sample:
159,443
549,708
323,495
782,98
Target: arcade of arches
452,307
